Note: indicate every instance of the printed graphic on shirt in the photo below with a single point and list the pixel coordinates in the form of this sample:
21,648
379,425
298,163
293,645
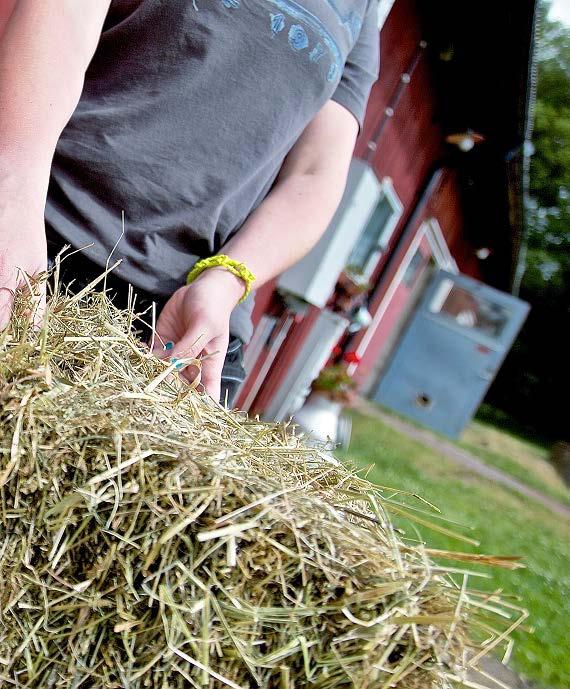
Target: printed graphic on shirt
351,21
307,33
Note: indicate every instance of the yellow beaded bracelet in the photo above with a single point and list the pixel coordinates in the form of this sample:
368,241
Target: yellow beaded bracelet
221,261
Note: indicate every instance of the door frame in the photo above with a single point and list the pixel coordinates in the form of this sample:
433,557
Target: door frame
430,229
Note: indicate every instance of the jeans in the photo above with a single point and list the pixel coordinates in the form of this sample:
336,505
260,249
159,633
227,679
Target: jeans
82,271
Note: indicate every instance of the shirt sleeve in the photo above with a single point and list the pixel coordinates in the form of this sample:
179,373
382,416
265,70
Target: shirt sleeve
362,67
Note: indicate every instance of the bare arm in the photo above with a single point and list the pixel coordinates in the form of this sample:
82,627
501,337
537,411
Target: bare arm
45,49
305,197
283,228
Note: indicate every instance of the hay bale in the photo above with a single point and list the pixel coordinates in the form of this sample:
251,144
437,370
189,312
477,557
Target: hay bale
150,538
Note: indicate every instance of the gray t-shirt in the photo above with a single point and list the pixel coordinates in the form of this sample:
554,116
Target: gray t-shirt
187,112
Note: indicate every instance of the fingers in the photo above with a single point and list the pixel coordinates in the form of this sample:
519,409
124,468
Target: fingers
178,333
212,367
189,346
172,342
187,331
35,312
23,269
211,355
6,301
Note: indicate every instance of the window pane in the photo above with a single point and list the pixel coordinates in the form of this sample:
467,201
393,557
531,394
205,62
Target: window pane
469,310
369,241
413,269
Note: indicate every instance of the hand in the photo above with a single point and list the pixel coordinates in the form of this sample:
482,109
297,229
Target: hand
21,250
196,319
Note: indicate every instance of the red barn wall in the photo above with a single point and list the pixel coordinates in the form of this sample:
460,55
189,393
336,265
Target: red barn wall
407,146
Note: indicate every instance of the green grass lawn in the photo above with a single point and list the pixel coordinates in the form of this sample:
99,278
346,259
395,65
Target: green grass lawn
504,523
525,460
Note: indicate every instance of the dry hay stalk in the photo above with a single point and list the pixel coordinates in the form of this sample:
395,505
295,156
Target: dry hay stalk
151,538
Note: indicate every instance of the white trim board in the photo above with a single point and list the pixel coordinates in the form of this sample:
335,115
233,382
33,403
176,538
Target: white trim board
431,230
309,360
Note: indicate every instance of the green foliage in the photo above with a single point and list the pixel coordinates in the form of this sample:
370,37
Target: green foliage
504,523
335,382
535,367
550,166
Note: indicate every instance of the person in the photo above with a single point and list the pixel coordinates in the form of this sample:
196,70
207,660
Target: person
220,128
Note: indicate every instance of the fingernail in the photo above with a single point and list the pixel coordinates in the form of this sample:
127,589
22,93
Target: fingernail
168,346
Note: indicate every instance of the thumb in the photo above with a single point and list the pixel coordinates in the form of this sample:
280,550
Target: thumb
6,302
5,309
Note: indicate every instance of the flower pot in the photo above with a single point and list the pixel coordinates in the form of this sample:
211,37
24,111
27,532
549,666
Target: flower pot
319,417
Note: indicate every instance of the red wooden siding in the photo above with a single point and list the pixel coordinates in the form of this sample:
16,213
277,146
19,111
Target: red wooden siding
409,145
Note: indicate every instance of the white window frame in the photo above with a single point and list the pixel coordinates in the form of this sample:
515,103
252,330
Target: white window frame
439,247
388,192
384,7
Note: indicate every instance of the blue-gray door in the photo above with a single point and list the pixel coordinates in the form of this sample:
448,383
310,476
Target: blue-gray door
450,352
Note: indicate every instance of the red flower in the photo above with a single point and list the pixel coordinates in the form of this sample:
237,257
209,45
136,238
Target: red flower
336,351
351,358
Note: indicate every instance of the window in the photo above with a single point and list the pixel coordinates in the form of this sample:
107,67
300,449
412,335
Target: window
469,310
378,231
413,270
